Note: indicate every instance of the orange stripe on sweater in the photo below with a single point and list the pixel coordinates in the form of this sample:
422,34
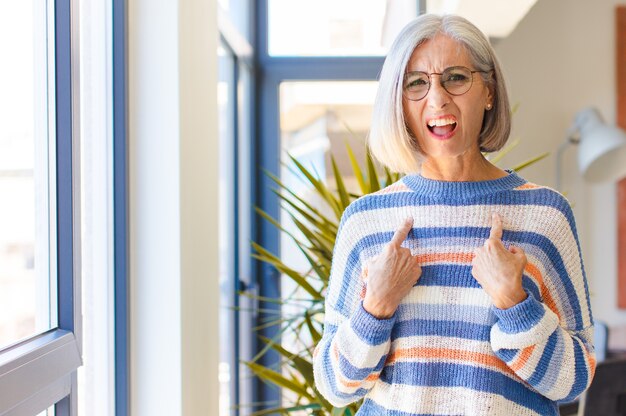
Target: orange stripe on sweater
447,257
527,185
448,354
356,384
397,187
532,270
523,358
590,359
591,362
335,352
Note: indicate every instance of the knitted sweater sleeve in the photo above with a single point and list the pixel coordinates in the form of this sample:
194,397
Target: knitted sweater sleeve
352,352
547,339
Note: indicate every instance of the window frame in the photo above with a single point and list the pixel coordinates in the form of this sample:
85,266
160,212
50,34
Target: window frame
41,371
241,102
120,208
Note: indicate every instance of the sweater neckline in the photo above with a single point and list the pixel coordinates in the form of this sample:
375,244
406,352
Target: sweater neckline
461,190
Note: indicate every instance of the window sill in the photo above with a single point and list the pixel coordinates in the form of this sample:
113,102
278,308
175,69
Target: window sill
37,373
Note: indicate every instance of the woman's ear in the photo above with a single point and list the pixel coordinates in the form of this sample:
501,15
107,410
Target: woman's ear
491,93
490,83
490,99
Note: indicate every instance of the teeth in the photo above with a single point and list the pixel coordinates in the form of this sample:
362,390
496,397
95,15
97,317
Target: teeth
441,122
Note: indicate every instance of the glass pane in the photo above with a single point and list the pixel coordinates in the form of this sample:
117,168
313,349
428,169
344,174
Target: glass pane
48,412
225,97
496,19
245,315
26,172
333,28
238,12
317,119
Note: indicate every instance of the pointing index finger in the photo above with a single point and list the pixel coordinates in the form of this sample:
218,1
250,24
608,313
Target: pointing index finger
402,233
496,226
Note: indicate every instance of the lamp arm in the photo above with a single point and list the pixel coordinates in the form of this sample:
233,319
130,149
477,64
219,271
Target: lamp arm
569,139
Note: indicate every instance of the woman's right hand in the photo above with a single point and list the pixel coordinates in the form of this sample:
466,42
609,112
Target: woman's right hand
391,275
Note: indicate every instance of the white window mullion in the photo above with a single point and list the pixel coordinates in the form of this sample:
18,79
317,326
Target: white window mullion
96,377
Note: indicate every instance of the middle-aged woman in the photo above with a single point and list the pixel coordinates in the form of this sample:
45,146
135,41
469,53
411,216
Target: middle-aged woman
460,289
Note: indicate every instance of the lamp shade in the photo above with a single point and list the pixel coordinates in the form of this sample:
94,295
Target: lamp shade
599,157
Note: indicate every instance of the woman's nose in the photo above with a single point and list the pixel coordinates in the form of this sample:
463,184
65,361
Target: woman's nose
437,96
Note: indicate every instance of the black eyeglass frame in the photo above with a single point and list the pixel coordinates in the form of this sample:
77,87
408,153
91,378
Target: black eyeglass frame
472,72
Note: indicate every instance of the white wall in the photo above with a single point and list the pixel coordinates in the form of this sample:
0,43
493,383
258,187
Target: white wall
560,59
173,186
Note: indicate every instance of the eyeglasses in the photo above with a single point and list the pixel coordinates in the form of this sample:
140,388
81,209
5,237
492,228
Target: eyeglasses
456,80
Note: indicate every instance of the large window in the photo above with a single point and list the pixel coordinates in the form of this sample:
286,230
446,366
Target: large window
39,236
27,143
326,27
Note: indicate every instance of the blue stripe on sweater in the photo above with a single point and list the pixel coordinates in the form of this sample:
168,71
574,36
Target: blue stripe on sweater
544,361
450,275
551,379
370,329
521,317
371,408
465,313
567,210
507,355
437,374
356,373
581,372
423,327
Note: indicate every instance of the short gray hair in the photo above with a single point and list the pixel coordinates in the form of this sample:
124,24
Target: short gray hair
390,140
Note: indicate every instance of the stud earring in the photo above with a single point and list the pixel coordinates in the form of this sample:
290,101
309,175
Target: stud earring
488,107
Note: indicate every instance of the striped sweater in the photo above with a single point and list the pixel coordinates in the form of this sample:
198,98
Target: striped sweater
447,350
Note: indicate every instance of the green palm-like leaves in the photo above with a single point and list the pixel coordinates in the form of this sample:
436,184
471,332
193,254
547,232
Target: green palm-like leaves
317,230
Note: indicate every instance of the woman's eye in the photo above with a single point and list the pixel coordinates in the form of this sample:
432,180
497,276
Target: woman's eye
416,82
457,77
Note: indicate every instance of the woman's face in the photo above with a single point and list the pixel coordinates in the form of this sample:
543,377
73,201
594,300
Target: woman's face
443,124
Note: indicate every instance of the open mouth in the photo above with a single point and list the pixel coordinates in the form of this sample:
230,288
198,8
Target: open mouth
442,127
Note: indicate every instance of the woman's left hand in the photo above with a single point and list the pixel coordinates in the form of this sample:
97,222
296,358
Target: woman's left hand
498,270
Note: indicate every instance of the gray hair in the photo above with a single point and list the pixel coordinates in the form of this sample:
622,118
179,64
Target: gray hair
390,140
